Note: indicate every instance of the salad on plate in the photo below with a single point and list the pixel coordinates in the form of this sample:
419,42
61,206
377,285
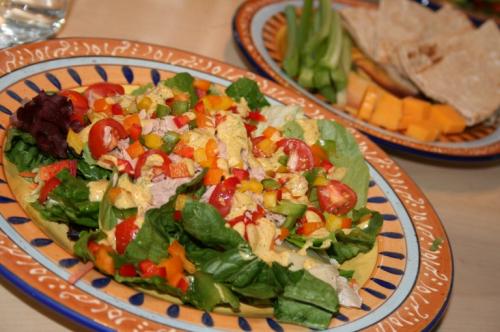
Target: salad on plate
210,195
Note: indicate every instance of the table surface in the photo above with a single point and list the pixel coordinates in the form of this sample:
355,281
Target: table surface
466,198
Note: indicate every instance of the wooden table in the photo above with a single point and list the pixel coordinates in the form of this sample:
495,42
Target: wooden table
466,198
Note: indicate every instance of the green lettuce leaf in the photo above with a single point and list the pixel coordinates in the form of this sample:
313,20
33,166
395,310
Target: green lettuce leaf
292,129
92,172
248,89
183,82
21,150
346,154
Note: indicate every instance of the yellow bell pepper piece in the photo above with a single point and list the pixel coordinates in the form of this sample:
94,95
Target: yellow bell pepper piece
144,103
270,199
180,201
333,222
320,181
251,185
153,141
74,141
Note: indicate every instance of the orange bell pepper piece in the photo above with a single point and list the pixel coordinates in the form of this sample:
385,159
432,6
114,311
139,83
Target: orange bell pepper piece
318,154
184,150
104,261
213,103
202,120
114,193
176,249
309,228
135,149
101,106
270,131
346,223
174,269
132,123
284,232
213,176
211,149
178,170
201,84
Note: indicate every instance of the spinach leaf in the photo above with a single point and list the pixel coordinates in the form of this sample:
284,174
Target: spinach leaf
80,247
154,237
87,155
193,185
21,150
183,82
248,89
289,311
205,293
204,223
124,213
142,89
346,273
107,218
69,202
293,129
92,172
346,154
357,241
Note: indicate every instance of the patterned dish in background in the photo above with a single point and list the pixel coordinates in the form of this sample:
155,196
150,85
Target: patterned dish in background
409,285
255,27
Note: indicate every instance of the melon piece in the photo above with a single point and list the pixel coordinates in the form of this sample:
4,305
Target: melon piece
356,88
369,101
388,112
448,120
414,110
423,130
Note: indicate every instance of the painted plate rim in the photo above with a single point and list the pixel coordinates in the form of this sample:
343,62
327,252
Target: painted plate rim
412,201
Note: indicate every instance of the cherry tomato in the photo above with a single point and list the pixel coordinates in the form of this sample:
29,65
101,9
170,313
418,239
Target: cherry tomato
256,116
296,148
142,161
116,109
125,167
125,232
47,189
49,171
97,144
103,90
240,173
80,105
127,270
336,197
183,285
149,269
223,194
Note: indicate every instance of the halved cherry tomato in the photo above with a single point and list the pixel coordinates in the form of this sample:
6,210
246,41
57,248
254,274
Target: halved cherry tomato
250,128
142,160
125,232
240,173
256,116
127,270
49,171
296,148
223,194
183,285
80,105
97,144
116,109
336,197
93,246
47,188
103,90
149,269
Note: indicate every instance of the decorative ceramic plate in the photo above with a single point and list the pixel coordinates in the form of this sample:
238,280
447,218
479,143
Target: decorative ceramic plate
256,25
409,284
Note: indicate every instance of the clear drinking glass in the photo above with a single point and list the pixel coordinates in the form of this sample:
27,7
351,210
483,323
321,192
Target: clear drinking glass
23,21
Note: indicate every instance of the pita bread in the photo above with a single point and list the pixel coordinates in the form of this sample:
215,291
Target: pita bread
360,22
463,71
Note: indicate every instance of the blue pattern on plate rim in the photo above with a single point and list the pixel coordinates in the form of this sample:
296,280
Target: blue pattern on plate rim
244,325
41,242
5,110
103,282
128,74
207,319
16,220
68,262
155,76
54,80
391,270
138,298
74,75
101,72
30,84
14,96
173,310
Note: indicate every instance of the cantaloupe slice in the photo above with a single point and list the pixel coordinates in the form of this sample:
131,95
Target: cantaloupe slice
356,88
414,110
370,98
424,130
448,120
388,112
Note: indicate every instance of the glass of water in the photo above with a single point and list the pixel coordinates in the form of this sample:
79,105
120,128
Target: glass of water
23,21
